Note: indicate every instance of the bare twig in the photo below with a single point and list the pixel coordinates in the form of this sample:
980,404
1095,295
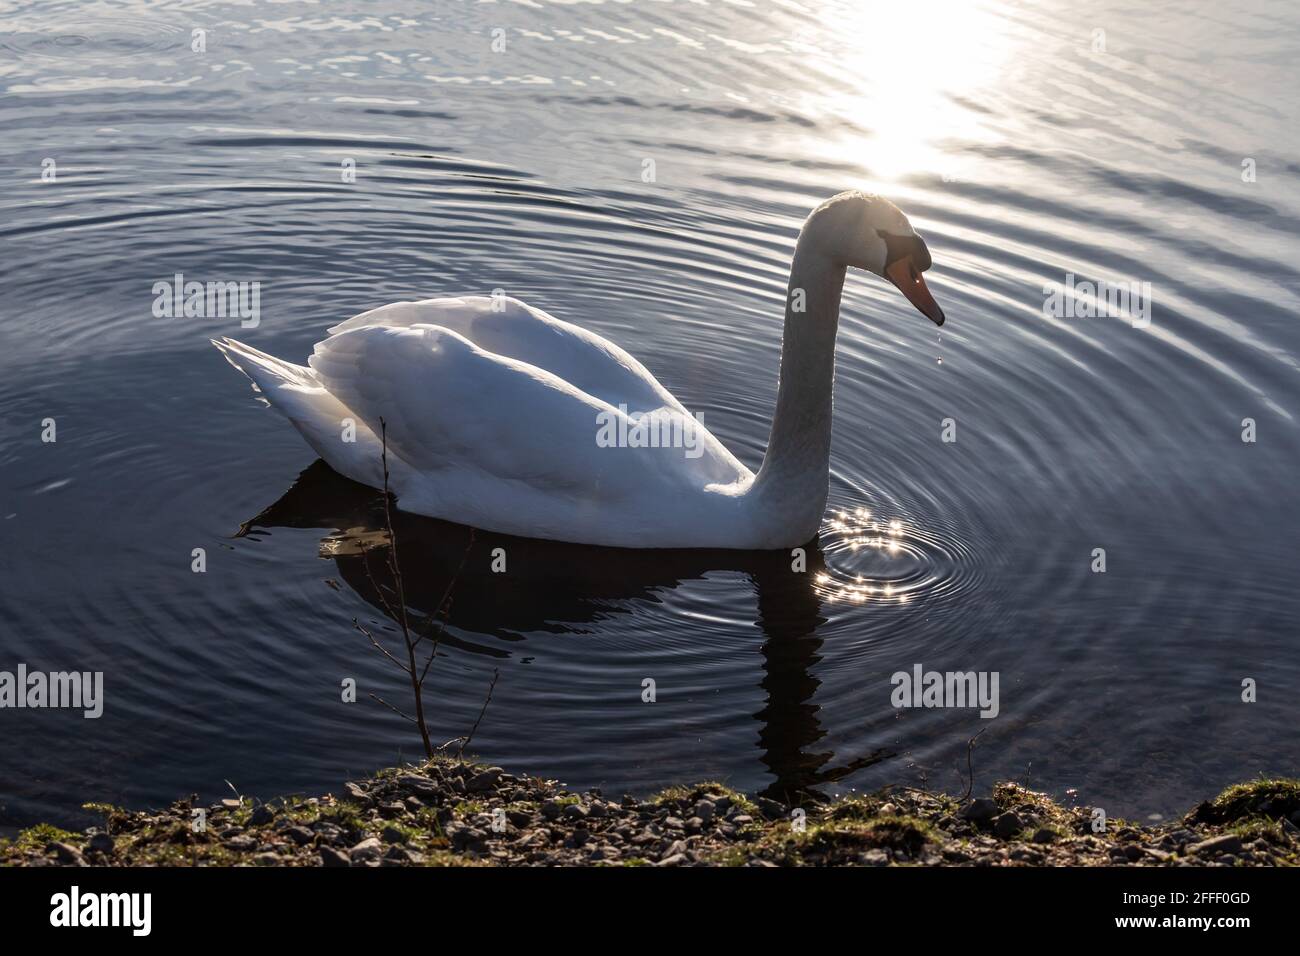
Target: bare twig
379,591
970,770
470,736
395,566
443,605
399,713
432,625
379,647
444,602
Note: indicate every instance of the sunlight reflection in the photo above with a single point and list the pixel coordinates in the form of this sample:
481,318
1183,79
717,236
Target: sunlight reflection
913,65
888,583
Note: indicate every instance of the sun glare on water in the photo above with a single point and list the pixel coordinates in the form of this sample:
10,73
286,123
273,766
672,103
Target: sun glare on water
903,72
855,530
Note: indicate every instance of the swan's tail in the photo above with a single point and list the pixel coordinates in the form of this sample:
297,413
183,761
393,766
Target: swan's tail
344,441
266,371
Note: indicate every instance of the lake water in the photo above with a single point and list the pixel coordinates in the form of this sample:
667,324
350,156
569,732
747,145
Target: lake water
642,169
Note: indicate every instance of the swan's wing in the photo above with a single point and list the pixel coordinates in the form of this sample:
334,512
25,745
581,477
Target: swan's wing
449,404
513,329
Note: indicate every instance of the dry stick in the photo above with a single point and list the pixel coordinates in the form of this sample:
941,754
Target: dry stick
399,713
379,647
394,566
379,591
401,600
470,736
444,603
970,783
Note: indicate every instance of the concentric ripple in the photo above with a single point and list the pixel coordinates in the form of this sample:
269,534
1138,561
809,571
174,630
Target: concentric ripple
96,39
876,558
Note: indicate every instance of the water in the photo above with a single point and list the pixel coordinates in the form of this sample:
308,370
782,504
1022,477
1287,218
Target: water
1020,151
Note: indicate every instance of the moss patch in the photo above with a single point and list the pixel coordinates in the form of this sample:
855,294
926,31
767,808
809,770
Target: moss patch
1268,798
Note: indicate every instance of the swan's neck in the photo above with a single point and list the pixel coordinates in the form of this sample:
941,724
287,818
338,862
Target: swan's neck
793,481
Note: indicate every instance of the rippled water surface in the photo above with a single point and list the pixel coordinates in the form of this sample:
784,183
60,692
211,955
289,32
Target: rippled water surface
1025,146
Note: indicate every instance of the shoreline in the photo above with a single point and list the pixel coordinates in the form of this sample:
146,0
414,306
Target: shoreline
446,812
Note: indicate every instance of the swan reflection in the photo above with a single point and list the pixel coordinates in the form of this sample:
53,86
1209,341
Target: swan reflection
555,588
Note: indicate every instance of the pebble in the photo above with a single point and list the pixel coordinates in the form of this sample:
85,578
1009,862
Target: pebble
1007,825
1228,843
300,835
518,818
484,781
676,848
332,857
66,853
368,849
101,843
355,791
980,810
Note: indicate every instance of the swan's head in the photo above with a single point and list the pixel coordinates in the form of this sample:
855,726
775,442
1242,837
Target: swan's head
869,232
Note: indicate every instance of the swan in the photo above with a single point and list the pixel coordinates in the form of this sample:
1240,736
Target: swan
500,416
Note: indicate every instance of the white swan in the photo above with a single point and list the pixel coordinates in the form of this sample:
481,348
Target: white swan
498,415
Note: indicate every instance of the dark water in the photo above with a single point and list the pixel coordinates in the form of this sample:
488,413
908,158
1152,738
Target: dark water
1020,151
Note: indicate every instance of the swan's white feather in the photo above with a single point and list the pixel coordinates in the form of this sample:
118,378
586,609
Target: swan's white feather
513,329
319,417
492,418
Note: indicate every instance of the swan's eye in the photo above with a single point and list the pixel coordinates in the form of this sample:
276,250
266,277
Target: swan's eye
896,247
911,247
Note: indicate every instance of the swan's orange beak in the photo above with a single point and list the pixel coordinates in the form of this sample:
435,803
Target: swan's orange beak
904,274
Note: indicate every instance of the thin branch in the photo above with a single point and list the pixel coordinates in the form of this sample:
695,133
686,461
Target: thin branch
444,602
427,664
379,591
444,605
470,736
434,627
970,770
401,599
392,708
379,647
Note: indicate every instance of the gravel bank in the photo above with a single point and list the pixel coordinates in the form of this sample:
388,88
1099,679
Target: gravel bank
448,813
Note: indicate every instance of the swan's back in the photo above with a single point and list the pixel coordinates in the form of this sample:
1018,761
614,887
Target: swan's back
492,413
513,329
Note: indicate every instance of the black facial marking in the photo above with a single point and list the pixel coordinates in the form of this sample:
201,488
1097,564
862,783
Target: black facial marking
900,247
